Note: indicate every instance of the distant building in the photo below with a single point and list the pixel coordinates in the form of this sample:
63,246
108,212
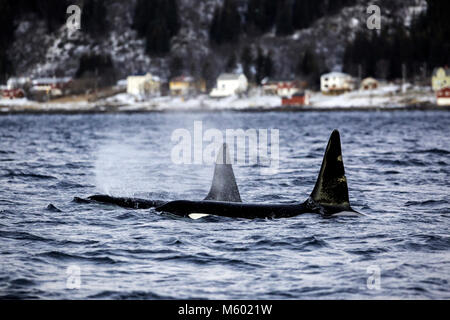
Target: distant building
182,86
185,85
15,93
288,89
443,97
16,87
18,83
369,84
336,83
440,78
229,84
143,85
51,86
297,100
282,88
270,86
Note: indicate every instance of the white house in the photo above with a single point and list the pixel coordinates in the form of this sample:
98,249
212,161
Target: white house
143,85
18,82
229,84
51,86
336,83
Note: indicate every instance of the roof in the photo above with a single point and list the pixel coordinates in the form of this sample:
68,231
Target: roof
51,80
230,76
276,81
369,80
183,79
336,75
146,76
447,71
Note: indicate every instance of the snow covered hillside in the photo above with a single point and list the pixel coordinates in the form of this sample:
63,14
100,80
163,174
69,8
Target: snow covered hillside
36,52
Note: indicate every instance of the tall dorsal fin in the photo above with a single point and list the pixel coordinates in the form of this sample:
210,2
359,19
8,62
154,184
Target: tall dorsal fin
224,187
331,190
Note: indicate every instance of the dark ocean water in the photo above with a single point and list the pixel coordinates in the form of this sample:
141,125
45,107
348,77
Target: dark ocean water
397,165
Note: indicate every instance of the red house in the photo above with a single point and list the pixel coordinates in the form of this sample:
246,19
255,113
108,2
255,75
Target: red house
297,100
443,97
13,93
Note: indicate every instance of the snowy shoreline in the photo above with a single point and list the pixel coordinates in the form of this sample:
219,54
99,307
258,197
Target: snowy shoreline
386,98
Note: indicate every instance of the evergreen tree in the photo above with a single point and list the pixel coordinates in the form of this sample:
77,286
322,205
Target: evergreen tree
215,28
157,21
268,65
52,11
6,37
303,14
308,64
176,66
247,61
226,24
97,66
284,18
261,15
93,17
231,63
264,66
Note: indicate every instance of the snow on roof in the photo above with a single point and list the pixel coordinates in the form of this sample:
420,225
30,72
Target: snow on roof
230,76
146,76
276,81
336,75
50,80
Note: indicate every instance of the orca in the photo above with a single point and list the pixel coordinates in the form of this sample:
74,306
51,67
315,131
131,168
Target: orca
223,188
329,197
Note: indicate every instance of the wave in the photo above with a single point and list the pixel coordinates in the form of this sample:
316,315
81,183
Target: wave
58,255
133,295
205,258
427,243
435,151
22,236
402,163
426,203
25,174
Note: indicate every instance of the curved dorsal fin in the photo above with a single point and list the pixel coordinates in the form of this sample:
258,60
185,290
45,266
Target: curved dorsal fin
331,190
224,187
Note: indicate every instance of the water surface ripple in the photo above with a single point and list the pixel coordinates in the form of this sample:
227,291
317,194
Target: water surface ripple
397,166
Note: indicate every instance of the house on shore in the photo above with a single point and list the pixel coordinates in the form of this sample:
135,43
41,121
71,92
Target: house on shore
50,87
296,100
282,88
440,79
186,85
144,85
182,86
229,84
369,84
443,97
336,83
18,83
16,88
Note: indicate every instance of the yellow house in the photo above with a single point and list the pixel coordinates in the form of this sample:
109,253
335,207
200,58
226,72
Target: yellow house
181,86
440,79
185,85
